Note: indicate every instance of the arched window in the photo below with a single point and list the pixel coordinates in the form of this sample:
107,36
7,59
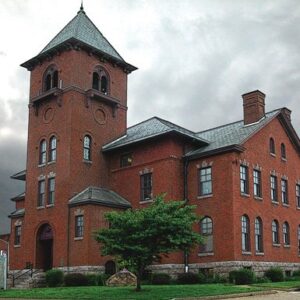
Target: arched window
52,149
286,233
272,146
206,228
258,235
283,151
101,81
245,233
110,267
87,142
43,152
275,232
50,78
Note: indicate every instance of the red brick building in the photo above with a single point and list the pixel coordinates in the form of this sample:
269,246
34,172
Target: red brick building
83,161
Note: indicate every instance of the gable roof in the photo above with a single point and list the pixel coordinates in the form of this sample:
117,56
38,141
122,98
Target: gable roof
149,129
82,31
99,196
234,135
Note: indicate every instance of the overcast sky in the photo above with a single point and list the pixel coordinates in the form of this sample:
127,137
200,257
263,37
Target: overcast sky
195,59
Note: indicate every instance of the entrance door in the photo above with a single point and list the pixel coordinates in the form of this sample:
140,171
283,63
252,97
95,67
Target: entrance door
44,248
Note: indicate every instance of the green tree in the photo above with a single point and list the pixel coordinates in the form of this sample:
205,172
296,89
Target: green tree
140,237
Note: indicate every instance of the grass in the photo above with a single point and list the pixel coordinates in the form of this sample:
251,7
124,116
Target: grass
149,292
280,285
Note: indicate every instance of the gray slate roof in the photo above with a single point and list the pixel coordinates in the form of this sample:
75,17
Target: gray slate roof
151,128
18,197
100,196
231,134
19,176
17,213
84,30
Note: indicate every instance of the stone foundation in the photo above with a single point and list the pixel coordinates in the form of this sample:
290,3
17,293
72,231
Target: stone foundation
83,269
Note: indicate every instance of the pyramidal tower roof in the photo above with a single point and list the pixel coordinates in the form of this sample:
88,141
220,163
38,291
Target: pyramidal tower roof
80,32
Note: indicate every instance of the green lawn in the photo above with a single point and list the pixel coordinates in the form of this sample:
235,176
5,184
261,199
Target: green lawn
280,285
148,292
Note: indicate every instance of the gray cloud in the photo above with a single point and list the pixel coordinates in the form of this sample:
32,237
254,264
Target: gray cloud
195,59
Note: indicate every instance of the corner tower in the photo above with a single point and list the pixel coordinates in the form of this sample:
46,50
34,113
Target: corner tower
77,103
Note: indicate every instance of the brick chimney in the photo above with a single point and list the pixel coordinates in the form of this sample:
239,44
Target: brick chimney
254,106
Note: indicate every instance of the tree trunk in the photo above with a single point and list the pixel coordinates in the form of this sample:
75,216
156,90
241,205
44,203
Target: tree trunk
138,279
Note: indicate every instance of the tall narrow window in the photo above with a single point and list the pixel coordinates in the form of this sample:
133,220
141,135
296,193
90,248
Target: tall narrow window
79,226
43,152
205,184
275,232
298,239
245,233
284,191
272,146
257,183
283,151
17,235
96,81
51,191
87,141
104,84
298,195
206,227
52,149
41,193
258,235
146,186
286,233
244,179
273,183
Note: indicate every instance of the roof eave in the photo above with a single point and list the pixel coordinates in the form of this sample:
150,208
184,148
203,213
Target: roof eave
196,139
101,203
76,44
230,148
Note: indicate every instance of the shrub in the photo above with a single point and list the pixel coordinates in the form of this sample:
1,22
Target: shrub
242,276
189,278
102,278
296,273
76,279
54,277
160,278
262,279
219,279
93,279
274,274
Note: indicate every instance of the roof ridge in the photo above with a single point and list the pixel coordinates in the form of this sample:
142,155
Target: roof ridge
166,121
235,122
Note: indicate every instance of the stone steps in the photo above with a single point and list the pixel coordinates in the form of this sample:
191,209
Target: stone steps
25,281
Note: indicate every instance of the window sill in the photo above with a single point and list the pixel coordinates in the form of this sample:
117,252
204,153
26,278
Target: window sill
283,159
205,196
285,205
41,165
258,198
40,207
245,195
272,154
275,202
17,246
287,246
51,162
146,201
246,253
79,238
259,253
206,254
88,162
49,205
276,245
298,208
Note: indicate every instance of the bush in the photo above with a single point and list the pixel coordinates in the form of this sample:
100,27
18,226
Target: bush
93,279
219,279
54,277
160,278
275,274
76,279
262,280
190,278
242,276
296,273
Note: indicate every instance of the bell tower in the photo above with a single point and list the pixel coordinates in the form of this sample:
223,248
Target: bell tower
77,103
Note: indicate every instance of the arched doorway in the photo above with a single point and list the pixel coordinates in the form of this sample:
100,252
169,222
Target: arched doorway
44,247
110,267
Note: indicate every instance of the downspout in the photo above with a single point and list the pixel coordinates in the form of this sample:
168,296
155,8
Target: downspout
68,240
186,200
